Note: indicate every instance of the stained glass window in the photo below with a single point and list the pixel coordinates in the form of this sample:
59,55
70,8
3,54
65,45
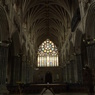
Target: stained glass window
47,54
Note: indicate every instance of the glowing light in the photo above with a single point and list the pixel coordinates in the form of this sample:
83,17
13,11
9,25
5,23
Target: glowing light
47,54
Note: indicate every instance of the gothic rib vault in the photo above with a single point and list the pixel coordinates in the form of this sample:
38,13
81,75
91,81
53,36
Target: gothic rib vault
47,18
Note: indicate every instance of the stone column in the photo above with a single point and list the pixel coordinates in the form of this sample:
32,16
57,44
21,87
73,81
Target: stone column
3,68
75,72
17,70
31,65
72,71
23,69
79,68
67,72
31,69
30,74
27,74
91,56
27,70
64,73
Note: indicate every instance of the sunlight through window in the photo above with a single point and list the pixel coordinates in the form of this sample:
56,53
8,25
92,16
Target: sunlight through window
47,54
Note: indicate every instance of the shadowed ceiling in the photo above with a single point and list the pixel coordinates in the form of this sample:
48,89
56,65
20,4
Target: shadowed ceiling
47,18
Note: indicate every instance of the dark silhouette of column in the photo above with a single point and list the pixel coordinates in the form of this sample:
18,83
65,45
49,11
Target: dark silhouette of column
88,80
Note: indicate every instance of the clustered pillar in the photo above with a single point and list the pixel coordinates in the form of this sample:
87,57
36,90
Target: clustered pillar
17,70
91,55
24,69
3,69
27,70
72,71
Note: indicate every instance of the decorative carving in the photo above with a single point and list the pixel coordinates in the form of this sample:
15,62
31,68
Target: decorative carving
85,4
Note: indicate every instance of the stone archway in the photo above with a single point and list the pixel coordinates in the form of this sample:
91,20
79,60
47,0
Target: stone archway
4,26
90,23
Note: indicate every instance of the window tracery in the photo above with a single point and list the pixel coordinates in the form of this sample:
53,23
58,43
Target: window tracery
47,54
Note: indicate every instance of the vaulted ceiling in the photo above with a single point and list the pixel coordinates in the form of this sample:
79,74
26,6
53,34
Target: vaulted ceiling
47,18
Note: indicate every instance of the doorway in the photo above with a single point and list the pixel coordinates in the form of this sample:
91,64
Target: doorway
48,77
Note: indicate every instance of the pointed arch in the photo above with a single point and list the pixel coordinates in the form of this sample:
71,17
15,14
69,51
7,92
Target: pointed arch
4,27
90,22
47,54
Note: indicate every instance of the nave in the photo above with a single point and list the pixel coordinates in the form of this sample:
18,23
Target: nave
45,41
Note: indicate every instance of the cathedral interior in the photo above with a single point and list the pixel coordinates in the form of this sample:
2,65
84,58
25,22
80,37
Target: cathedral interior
47,44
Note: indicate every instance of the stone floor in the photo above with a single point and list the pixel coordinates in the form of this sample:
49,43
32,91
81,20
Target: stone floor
48,92
57,94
